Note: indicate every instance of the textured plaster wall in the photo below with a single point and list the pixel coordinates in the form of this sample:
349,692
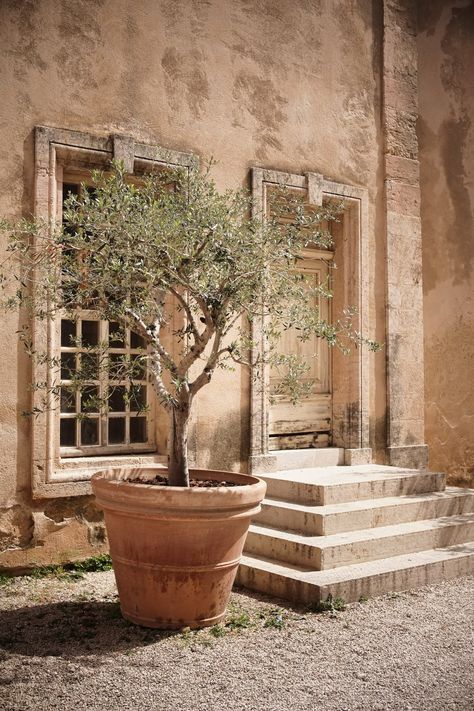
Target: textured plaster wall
286,84
446,135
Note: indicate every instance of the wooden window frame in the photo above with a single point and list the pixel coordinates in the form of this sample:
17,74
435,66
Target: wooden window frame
103,447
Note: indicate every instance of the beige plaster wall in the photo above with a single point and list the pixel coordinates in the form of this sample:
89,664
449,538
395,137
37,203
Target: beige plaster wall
286,84
446,136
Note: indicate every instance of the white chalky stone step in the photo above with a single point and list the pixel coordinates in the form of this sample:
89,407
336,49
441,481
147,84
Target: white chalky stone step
351,582
340,549
369,513
333,485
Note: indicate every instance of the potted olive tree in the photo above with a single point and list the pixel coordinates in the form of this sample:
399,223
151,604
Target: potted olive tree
168,250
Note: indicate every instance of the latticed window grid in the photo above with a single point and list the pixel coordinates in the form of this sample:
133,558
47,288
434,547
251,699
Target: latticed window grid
111,411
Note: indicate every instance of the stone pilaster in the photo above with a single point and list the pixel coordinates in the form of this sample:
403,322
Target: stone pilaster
405,396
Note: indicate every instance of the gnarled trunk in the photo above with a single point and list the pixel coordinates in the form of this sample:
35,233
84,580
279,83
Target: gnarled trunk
178,470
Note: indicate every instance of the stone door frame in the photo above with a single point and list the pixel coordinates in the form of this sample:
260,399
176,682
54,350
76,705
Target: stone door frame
351,387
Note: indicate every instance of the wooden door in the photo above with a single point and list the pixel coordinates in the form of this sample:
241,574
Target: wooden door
307,424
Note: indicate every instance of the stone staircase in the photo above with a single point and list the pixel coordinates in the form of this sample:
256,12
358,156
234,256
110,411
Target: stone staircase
353,531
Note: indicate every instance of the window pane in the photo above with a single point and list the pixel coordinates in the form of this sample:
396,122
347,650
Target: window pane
136,341
70,189
89,399
138,367
90,333
89,431
68,333
68,365
70,300
116,430
90,366
117,368
137,397
91,190
67,436
117,399
116,335
137,429
68,400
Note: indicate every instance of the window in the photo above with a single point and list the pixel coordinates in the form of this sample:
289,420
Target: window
73,441
109,412
127,421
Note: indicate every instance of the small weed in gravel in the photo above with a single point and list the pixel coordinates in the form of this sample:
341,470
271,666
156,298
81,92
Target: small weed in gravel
187,635
275,619
57,571
217,631
330,604
239,621
74,571
97,564
5,580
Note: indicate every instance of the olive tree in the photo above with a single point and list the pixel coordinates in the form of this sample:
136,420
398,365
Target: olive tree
172,252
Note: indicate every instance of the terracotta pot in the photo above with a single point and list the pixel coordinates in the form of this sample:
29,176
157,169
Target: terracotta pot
175,551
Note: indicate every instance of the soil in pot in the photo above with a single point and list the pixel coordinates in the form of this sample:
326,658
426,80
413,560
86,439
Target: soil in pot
193,483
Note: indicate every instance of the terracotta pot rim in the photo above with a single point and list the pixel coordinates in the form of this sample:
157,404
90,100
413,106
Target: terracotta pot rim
114,492
113,475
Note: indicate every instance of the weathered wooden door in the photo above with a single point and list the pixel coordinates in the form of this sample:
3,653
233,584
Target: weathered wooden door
307,424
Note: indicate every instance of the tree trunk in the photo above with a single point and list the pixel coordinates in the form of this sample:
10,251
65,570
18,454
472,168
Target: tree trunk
178,471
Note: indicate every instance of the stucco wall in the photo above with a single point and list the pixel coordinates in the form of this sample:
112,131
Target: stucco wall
286,84
446,136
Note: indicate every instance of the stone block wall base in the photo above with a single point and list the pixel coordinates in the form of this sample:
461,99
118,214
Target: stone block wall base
55,544
262,463
411,457
357,456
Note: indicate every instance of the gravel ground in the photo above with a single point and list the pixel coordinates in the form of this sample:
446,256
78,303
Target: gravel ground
63,645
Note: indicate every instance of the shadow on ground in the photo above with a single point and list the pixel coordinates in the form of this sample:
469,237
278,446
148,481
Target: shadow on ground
72,629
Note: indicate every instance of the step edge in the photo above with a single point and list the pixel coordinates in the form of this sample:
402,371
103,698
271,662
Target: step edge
387,474
359,570
407,526
364,504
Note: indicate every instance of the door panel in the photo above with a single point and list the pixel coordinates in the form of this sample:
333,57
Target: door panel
307,424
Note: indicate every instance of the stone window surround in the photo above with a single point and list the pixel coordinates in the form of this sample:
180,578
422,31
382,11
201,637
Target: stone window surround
55,148
356,283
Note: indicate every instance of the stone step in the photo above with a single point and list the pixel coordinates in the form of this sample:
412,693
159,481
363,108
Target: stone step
334,485
318,520
403,572
340,549
308,458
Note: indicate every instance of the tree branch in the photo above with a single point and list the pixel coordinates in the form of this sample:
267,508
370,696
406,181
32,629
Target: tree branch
151,336
158,384
206,374
189,313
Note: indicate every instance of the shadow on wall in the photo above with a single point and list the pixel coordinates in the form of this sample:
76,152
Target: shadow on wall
454,137
224,443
